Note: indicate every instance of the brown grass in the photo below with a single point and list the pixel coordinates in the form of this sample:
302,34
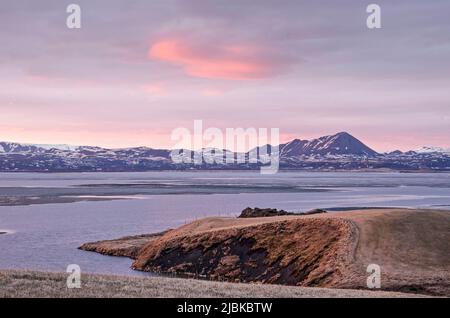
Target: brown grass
289,252
40,284
412,247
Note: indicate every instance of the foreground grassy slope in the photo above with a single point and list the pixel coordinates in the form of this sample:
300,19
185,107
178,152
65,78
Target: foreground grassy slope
412,248
39,284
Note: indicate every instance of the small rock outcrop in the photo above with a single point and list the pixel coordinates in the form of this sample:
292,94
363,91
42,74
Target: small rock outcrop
314,211
258,213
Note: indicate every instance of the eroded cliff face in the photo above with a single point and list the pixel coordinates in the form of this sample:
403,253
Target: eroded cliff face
304,252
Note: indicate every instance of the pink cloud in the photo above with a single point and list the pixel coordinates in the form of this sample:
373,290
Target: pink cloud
154,89
234,62
212,92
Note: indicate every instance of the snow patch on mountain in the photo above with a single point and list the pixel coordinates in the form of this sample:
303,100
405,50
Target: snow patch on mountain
55,146
432,149
339,144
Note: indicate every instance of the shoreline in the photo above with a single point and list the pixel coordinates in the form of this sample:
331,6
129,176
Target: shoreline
286,170
35,200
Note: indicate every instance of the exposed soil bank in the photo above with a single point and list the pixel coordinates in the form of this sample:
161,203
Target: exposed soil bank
267,253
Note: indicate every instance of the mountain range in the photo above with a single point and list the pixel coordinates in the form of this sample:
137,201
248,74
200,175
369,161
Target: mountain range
340,151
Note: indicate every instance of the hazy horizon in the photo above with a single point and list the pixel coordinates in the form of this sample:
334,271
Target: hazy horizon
137,70
62,145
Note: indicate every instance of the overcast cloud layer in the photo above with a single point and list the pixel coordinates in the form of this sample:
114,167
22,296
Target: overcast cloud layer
138,69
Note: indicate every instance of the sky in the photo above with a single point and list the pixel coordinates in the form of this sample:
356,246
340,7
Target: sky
137,70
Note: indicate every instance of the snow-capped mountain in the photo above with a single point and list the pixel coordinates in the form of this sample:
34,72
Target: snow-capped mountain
71,151
341,151
55,146
14,147
431,149
339,144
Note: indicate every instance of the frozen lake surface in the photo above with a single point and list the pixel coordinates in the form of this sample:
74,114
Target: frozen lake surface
46,236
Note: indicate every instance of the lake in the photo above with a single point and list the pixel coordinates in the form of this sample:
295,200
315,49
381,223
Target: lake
46,236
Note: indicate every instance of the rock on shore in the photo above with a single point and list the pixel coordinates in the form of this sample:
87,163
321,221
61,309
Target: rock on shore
257,212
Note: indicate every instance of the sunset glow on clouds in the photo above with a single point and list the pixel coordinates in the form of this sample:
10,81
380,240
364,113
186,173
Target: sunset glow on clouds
136,70
229,62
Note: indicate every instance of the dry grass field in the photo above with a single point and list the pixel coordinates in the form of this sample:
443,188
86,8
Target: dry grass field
411,246
40,284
